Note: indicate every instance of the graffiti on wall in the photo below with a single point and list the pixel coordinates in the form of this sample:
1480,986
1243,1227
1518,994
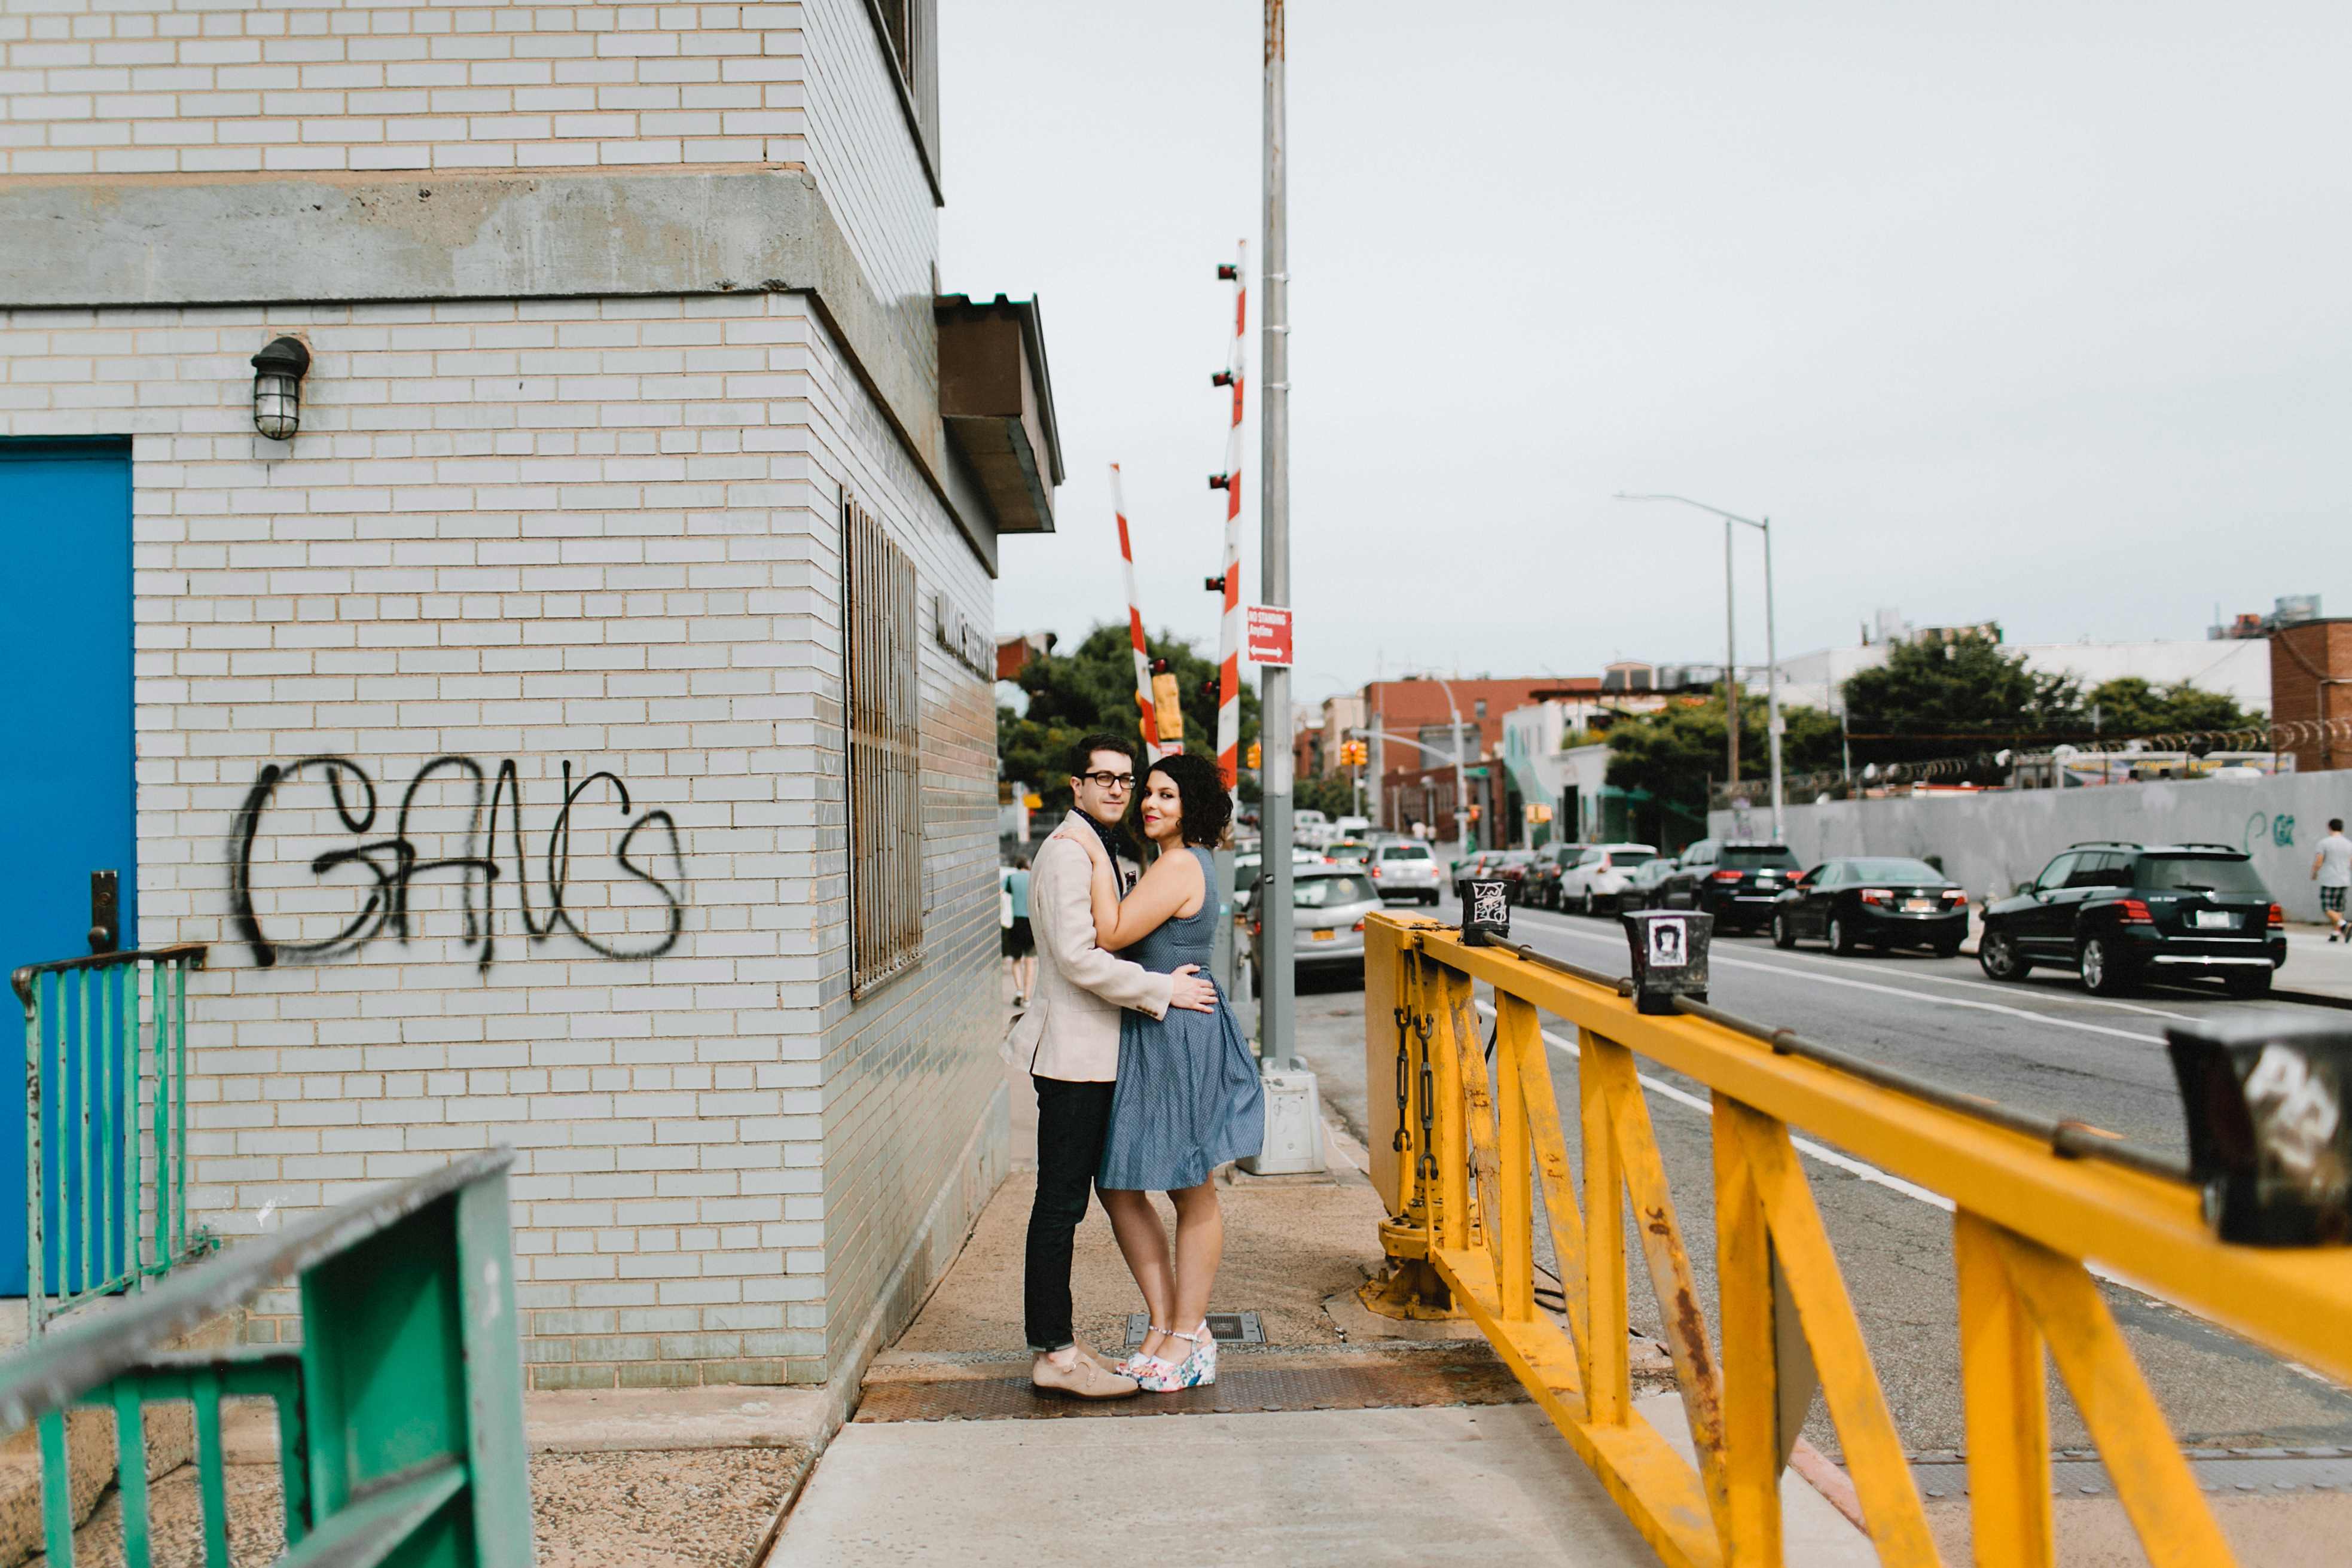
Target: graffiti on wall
643,859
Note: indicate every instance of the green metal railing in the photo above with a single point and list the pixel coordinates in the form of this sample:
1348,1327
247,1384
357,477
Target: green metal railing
106,1123
400,1431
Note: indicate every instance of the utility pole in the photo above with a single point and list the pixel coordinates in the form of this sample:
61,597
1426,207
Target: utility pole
1277,984
1730,670
1771,680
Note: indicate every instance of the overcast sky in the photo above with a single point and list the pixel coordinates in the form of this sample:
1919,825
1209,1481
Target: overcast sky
2033,312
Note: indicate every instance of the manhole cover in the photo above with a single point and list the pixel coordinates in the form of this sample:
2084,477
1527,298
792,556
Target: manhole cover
1230,1327
1242,1387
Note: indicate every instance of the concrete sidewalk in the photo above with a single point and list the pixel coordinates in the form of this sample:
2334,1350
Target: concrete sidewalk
1436,1455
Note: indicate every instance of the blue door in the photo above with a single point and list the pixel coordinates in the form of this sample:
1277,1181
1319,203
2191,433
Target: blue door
66,804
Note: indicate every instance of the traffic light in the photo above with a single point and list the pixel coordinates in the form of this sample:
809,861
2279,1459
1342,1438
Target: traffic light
1254,754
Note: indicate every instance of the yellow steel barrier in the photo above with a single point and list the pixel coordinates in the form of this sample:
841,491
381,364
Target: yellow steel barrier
1462,1151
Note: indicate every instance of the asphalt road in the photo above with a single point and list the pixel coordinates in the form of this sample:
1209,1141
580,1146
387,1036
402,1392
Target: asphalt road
2047,1044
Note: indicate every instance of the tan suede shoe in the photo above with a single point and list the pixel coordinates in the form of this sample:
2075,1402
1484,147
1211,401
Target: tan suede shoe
1089,1352
1083,1380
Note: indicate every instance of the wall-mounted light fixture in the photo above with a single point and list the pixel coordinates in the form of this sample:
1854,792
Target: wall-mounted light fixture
278,371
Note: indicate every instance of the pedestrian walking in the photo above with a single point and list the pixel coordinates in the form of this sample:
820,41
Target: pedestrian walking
1070,1041
1013,915
2332,869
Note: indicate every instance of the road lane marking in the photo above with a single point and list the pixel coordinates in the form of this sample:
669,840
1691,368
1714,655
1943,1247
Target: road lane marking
1717,957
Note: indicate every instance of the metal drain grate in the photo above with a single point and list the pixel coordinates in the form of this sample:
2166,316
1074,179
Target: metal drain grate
1239,1389
1230,1327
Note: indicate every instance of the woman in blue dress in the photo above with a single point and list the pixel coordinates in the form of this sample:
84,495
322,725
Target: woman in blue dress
1188,1098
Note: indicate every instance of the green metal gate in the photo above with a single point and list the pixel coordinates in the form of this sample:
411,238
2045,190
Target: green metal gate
399,1419
106,1118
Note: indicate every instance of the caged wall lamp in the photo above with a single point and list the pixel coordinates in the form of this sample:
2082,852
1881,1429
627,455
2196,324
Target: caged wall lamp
278,371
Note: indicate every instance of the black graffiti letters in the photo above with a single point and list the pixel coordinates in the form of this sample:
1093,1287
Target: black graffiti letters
646,854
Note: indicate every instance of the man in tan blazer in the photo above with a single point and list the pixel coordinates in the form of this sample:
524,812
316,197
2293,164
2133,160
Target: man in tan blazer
1068,1041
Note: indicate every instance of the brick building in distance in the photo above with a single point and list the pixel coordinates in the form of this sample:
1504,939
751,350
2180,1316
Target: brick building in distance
577,733
2311,692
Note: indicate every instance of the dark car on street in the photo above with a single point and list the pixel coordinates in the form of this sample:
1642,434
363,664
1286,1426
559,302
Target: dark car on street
1736,883
1872,901
1540,888
2118,914
1642,889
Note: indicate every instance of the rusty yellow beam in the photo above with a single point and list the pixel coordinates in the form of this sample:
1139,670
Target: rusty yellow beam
2006,1401
1751,1394
2292,1301
1660,1493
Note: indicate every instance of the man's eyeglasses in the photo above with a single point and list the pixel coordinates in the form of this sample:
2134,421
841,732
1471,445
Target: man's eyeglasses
1109,780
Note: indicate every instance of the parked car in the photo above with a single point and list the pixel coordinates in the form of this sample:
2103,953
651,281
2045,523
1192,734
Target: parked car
1329,904
1511,866
1308,826
1872,901
1540,888
1404,871
1596,879
2118,913
1348,851
1736,883
1247,865
1640,889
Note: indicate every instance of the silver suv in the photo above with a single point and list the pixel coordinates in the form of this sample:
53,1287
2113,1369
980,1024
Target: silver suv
1404,871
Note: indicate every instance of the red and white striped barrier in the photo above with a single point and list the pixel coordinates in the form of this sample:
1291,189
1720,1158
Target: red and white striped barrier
1229,632
1152,750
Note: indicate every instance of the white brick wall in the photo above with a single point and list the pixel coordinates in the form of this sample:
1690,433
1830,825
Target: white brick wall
601,532
117,87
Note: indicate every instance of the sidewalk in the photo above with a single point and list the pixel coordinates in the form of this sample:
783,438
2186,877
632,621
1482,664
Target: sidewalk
1335,1442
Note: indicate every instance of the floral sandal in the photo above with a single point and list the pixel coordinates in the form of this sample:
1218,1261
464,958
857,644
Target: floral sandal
1197,1370
1136,1364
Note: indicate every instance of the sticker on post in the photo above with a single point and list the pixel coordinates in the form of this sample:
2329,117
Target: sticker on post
1669,944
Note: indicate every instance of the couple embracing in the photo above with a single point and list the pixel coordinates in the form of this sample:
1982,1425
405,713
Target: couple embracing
1144,1082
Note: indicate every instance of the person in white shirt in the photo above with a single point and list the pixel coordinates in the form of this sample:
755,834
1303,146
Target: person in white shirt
2332,869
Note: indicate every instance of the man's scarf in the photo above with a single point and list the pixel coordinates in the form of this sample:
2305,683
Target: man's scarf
1114,843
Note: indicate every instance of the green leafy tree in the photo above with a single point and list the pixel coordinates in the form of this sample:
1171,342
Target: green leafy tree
1944,700
2132,706
1333,795
1670,754
1092,687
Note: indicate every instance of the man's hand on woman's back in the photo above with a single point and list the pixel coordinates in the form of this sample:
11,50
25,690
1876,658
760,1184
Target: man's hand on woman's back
1192,990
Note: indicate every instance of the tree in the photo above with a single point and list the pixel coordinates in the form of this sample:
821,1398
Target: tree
1092,687
1670,755
2132,706
1333,795
1944,700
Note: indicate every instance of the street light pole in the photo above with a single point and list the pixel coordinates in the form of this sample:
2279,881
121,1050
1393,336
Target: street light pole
1278,984
1771,645
1730,671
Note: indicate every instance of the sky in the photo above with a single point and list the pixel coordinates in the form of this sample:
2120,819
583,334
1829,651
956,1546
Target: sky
2027,312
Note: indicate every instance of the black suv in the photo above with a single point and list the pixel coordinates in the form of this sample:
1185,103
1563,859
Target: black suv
1736,883
2117,913
1540,889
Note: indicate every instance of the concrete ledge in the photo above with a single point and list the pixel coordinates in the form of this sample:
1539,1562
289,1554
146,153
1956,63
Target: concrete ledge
139,241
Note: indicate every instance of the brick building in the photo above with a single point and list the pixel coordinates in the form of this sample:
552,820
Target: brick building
1417,709
2311,692
579,732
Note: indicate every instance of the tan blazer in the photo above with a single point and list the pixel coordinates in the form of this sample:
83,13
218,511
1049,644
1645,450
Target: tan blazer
1071,1029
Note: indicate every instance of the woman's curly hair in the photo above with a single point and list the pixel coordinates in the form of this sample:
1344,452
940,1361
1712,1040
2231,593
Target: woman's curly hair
1206,808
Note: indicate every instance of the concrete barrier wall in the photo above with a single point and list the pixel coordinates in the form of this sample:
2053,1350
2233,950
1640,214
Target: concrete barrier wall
1988,843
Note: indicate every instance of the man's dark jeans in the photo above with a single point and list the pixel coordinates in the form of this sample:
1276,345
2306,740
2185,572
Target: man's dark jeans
1073,1119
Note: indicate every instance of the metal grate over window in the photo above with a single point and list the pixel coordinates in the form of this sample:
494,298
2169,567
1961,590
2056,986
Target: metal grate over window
885,862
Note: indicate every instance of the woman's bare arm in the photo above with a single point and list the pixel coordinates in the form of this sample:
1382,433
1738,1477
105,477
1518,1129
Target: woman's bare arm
1174,882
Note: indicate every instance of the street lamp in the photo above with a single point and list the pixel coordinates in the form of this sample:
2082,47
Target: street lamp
1730,653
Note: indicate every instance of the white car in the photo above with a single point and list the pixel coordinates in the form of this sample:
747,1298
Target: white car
1310,826
1601,874
1353,827
1404,871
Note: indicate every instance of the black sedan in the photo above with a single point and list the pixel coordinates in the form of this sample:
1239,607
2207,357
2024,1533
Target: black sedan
1872,901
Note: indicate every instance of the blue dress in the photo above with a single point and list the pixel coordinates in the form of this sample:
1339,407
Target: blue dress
1188,1098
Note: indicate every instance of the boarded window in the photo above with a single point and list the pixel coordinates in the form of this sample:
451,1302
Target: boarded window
885,858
